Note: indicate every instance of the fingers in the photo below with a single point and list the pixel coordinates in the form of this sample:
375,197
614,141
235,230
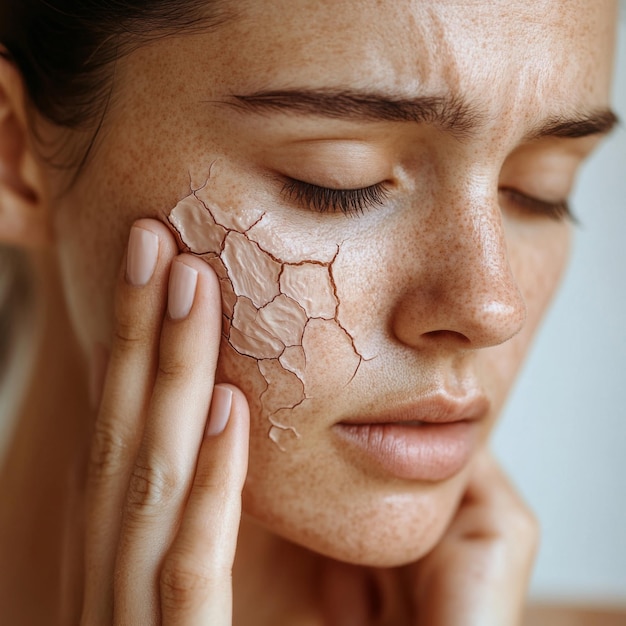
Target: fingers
161,476
164,498
479,573
501,520
139,309
493,508
195,584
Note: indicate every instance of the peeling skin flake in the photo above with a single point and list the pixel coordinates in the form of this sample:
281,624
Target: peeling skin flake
324,343
283,389
253,273
293,359
196,226
310,285
283,314
287,315
248,338
230,218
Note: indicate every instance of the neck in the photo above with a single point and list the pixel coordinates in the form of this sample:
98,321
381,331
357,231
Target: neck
275,581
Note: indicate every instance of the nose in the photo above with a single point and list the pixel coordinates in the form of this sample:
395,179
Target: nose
461,289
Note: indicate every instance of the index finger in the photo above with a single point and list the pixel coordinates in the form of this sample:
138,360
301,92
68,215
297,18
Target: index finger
131,369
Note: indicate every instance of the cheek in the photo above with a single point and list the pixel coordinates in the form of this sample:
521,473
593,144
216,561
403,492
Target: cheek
538,259
283,340
89,249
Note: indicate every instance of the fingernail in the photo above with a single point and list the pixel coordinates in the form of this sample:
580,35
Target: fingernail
143,251
220,410
182,290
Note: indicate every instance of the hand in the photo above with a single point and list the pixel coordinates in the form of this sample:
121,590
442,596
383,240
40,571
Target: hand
164,490
477,575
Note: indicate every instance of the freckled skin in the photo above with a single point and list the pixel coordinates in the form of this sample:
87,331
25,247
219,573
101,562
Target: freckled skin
441,287
279,309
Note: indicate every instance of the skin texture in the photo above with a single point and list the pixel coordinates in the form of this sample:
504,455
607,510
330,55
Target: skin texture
439,288
276,311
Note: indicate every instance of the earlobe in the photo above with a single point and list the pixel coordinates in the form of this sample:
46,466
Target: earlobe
24,215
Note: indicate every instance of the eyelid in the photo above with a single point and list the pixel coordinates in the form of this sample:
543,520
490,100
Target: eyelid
559,210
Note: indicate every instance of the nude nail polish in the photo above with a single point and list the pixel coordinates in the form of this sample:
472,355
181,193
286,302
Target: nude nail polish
219,414
182,290
143,252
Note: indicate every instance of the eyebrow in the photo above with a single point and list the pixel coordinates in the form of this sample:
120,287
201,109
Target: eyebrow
451,113
599,122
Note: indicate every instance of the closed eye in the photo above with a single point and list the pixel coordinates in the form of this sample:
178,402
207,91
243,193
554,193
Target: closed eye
535,206
328,200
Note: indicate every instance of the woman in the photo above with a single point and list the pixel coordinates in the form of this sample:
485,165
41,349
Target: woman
346,221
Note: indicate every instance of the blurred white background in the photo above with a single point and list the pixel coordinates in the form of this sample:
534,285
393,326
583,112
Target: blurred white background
563,436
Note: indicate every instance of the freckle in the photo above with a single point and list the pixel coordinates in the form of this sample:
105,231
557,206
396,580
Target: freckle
324,343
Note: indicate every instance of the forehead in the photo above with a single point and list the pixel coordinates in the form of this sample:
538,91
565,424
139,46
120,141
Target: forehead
520,56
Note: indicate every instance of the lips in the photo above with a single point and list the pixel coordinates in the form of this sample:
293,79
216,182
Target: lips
431,440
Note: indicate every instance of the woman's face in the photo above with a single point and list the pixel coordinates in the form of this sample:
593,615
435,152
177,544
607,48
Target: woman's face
412,300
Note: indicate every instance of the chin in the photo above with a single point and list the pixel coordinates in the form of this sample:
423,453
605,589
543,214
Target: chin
374,527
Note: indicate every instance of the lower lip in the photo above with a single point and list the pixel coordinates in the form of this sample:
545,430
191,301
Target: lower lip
427,452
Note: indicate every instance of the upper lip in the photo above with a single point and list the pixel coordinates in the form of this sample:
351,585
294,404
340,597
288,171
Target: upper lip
438,408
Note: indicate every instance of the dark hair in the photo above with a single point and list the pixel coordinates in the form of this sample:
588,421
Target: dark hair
66,49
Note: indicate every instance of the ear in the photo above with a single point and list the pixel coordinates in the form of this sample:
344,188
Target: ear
25,220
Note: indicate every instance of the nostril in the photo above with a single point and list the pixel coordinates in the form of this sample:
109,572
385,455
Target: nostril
448,335
463,319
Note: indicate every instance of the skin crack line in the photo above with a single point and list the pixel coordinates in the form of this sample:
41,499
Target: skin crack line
272,309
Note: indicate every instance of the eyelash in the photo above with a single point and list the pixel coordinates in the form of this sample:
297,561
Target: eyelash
357,201
555,210
327,200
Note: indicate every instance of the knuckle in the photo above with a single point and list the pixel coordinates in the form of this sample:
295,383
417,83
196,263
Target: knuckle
108,452
215,480
149,488
185,582
173,368
128,333
525,528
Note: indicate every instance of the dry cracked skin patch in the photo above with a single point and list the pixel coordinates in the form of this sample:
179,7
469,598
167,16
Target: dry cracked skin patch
280,312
